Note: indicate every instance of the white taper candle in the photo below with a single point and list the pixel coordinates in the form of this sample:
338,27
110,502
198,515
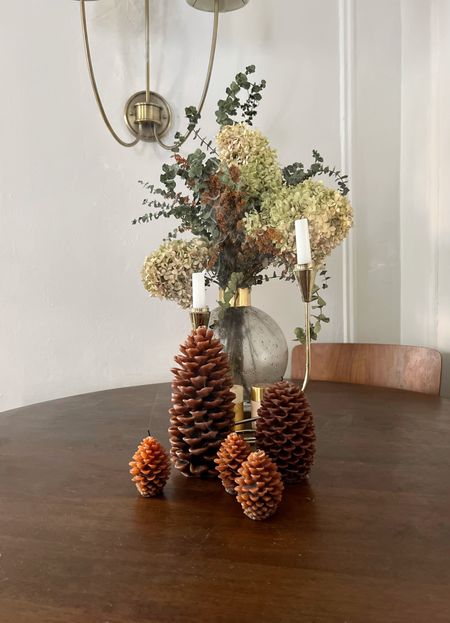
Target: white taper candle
198,291
303,243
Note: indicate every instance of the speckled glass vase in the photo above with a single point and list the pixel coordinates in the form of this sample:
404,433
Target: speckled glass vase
255,344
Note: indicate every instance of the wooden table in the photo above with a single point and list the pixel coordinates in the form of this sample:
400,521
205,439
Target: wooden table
367,539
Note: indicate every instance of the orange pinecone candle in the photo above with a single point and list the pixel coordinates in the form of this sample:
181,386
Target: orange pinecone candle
285,430
233,452
259,486
150,468
202,414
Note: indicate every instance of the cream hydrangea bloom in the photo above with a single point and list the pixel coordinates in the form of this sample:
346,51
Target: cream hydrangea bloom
167,272
329,214
247,149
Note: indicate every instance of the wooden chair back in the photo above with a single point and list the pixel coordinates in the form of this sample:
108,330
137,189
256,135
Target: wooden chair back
412,368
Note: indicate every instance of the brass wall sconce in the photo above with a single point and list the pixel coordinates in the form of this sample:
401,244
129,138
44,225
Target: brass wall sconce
148,115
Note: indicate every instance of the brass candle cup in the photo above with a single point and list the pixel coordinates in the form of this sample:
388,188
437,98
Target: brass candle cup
200,317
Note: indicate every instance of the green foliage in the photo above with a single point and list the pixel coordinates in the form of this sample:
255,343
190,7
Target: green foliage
192,213
230,107
207,144
192,116
230,291
296,173
319,317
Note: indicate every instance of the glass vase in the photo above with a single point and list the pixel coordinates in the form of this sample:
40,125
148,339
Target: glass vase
256,346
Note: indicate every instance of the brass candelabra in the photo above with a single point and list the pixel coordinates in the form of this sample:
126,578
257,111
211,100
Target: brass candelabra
306,276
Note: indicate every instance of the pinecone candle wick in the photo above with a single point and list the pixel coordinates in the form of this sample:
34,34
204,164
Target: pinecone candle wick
233,452
259,486
202,414
150,467
285,430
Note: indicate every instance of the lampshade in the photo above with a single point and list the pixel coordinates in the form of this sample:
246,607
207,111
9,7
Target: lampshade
224,5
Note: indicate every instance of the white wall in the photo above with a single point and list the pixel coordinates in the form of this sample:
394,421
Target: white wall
376,170
401,158
425,185
74,316
442,42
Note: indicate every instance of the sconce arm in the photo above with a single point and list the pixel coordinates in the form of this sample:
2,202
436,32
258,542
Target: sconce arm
212,55
87,49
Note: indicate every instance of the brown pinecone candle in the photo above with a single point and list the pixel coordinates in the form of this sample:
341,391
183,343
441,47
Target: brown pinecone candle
285,430
150,467
259,486
233,452
202,413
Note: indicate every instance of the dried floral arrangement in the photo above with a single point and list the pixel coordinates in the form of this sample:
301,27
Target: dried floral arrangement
239,206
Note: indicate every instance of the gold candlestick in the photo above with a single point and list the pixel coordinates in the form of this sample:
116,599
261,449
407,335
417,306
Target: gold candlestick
306,276
200,317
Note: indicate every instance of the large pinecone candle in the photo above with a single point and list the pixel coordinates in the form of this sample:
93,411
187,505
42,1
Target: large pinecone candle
285,430
150,468
233,452
202,413
259,486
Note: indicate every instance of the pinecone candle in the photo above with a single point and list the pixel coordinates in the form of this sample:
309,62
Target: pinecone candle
285,430
233,452
259,486
150,468
202,413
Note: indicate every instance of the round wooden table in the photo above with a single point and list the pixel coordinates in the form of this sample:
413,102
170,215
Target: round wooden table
367,539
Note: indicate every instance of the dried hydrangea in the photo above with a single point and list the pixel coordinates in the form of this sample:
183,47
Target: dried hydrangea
247,149
167,272
329,214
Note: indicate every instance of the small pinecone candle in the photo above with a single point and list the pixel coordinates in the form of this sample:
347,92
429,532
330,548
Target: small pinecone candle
202,414
233,452
285,430
150,468
259,486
